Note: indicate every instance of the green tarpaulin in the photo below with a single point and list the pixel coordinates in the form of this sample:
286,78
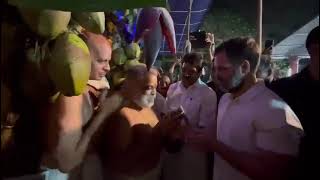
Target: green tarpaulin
87,5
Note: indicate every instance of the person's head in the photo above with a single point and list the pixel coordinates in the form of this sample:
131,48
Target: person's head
265,70
157,71
192,65
140,86
312,45
236,59
100,53
164,84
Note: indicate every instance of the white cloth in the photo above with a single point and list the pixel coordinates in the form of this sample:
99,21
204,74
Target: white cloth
102,84
258,119
48,174
199,103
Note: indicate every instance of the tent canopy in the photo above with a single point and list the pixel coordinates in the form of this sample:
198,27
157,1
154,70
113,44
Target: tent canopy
294,45
179,10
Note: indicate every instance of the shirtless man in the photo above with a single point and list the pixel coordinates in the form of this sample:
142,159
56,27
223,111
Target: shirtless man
69,125
130,142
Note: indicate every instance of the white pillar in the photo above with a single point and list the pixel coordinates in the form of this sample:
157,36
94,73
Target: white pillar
259,23
294,64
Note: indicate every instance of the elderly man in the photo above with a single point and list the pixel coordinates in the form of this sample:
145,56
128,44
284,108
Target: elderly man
69,123
130,142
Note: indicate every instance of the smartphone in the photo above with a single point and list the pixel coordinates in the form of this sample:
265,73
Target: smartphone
181,112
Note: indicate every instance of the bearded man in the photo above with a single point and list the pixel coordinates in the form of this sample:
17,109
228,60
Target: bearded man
130,142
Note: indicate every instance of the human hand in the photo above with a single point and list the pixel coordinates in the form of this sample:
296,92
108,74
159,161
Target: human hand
178,60
210,39
170,123
111,104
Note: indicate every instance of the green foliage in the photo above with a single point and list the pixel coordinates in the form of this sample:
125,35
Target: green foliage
225,25
281,68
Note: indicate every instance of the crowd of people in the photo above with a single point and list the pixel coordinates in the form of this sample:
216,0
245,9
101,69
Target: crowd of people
241,125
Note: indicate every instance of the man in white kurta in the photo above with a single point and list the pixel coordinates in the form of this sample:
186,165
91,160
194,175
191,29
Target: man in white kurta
258,119
199,103
258,135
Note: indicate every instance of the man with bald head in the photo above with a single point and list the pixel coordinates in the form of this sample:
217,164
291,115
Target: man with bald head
100,53
130,141
70,123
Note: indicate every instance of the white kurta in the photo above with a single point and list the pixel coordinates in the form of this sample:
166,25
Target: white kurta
199,103
258,119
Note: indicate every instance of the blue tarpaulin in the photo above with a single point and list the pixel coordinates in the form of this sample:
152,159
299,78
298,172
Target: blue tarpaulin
179,12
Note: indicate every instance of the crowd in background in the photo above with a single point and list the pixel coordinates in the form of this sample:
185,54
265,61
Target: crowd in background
243,124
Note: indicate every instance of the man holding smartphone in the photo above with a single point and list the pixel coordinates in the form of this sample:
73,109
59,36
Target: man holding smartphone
199,104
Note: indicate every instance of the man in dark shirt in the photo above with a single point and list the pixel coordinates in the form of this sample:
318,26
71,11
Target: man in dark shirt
301,92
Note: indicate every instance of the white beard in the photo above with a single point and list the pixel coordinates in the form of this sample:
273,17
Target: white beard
145,101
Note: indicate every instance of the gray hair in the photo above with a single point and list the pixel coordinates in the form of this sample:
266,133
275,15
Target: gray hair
136,73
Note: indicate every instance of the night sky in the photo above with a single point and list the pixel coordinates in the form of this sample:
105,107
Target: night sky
281,17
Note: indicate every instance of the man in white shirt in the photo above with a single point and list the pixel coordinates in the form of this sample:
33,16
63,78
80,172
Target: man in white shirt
199,104
258,134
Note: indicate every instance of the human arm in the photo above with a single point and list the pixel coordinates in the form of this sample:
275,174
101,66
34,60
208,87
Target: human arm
170,132
276,139
68,140
211,45
261,165
173,66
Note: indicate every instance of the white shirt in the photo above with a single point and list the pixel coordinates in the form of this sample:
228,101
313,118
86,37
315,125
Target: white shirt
258,119
200,105
199,102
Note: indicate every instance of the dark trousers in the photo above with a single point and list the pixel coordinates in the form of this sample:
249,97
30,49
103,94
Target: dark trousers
210,163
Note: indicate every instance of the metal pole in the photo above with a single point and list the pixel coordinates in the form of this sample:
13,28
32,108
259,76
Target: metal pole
189,18
259,23
188,45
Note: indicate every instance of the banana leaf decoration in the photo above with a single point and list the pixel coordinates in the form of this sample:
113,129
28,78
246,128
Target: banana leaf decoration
154,24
